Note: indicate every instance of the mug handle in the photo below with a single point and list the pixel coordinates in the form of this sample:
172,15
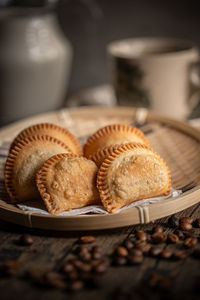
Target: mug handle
194,85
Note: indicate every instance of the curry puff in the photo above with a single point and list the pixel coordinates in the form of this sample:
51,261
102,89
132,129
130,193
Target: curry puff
136,172
52,130
23,162
112,135
66,181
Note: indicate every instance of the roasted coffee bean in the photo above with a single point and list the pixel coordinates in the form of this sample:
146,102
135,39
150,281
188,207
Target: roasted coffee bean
135,259
96,252
166,254
128,244
196,253
132,237
136,252
172,238
157,228
173,221
158,237
80,248
67,267
197,223
86,239
186,220
101,267
26,240
84,267
180,234
139,244
120,261
145,248
85,256
73,275
185,226
121,251
179,254
155,251
76,285
54,279
141,235
190,242
10,267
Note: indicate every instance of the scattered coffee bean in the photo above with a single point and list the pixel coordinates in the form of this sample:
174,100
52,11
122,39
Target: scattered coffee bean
190,242
73,275
196,253
96,252
85,255
179,254
86,239
157,228
55,280
10,267
132,237
166,254
120,261
128,244
185,226
140,244
173,221
172,238
197,223
186,220
158,237
141,235
145,248
155,251
121,251
26,240
180,234
68,267
135,259
101,267
136,252
76,285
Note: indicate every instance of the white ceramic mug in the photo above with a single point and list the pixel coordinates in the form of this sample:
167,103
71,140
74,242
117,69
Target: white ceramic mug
154,73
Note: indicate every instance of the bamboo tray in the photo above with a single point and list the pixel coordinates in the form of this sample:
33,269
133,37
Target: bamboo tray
176,141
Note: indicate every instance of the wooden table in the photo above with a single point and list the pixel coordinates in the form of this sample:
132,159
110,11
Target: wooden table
50,249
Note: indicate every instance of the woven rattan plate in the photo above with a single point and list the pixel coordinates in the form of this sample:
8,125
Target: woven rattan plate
176,141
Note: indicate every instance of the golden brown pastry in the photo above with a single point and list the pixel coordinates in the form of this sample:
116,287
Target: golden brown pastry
136,172
66,181
112,135
52,130
23,162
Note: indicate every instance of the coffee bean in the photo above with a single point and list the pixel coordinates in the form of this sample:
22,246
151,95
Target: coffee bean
81,248
173,221
132,237
196,253
101,267
186,220
120,261
179,254
10,267
26,240
172,238
73,275
145,248
54,279
86,239
76,285
136,252
141,235
166,254
96,252
135,259
67,267
185,226
81,266
190,242
197,223
157,228
128,244
140,244
180,234
85,256
121,251
158,237
155,251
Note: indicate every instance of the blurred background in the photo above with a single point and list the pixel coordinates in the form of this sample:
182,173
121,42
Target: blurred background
89,25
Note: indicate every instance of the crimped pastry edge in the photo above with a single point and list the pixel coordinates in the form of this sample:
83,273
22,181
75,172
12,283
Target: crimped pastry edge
12,156
103,171
31,129
113,128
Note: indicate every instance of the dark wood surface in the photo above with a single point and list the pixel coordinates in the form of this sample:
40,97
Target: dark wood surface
51,249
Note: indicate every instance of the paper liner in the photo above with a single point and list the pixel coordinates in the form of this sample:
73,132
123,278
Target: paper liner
102,185
109,130
41,180
52,130
36,207
12,158
101,154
